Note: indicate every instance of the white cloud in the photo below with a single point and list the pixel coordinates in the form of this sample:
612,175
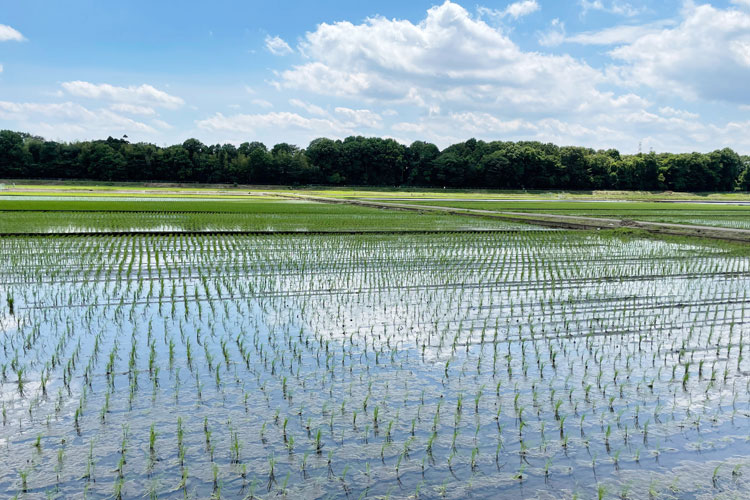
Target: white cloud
460,126
262,103
415,128
310,108
741,50
269,128
613,7
251,123
447,61
481,123
680,113
277,46
555,34
133,109
623,127
452,76
9,34
1,68
161,124
70,120
617,34
706,56
360,117
321,78
515,10
732,135
142,95
523,8
293,126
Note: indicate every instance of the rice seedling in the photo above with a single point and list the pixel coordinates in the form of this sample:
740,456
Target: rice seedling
24,474
601,492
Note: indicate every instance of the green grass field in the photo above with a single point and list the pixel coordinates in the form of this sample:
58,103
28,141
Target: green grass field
31,215
78,188
721,215
480,194
129,204
131,207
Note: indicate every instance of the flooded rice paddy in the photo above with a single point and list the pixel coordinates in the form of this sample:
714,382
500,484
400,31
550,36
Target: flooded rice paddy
529,365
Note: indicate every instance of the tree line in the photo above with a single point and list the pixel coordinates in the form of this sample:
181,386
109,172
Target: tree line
372,161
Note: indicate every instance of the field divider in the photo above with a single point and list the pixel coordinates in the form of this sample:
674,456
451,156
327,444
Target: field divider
550,220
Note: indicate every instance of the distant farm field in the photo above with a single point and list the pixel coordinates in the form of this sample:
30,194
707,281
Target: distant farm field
183,348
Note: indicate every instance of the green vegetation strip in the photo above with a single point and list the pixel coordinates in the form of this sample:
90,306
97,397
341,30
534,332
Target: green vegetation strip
521,195
135,205
128,216
245,191
701,214
556,220
587,208
260,233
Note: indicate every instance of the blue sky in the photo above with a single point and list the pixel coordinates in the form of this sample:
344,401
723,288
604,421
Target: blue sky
668,76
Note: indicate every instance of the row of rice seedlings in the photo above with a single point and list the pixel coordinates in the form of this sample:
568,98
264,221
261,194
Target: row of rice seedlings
338,218
312,345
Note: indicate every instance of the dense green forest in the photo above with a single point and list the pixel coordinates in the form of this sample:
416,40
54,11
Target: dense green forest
364,161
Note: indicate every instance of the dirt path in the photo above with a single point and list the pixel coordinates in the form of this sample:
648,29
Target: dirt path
551,220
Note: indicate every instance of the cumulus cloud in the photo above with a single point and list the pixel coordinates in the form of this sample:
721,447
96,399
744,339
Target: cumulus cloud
515,10
140,95
480,123
69,120
9,34
520,9
706,56
448,60
345,122
461,126
453,76
277,46
250,123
